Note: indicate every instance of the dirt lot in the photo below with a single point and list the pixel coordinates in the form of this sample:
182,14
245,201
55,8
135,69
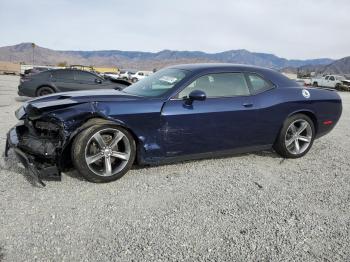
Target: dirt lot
246,207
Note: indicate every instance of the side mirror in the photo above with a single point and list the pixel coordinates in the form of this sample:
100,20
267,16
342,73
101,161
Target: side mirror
98,81
196,95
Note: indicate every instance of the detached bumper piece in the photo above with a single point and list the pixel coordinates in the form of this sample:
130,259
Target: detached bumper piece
34,153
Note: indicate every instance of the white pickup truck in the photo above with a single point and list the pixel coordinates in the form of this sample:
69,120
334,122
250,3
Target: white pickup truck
333,81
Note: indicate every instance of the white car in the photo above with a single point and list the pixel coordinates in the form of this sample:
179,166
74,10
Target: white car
125,74
333,81
111,75
139,75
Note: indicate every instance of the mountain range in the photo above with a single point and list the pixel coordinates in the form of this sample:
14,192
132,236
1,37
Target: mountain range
338,67
147,60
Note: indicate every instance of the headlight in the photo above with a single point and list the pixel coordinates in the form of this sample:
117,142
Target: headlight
46,126
20,113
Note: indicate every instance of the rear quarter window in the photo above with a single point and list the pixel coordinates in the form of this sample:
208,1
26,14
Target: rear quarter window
276,78
258,84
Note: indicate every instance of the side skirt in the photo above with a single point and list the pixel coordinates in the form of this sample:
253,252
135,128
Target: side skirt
207,155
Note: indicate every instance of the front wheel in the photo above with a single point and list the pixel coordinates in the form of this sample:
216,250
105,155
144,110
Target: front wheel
103,153
296,136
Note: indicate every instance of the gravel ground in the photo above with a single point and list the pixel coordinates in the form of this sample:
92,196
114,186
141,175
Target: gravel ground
246,207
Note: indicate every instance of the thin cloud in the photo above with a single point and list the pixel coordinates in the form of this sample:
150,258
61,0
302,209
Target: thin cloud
291,29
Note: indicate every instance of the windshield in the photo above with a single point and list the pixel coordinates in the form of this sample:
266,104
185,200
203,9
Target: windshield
156,84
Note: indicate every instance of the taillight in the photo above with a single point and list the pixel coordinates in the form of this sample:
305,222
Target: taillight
24,79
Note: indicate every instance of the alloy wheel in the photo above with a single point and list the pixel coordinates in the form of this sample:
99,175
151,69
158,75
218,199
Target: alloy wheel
298,137
107,152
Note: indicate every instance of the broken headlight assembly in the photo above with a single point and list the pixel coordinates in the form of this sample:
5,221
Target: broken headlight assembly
46,126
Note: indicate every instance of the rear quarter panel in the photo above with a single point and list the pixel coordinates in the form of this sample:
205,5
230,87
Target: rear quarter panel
322,105
30,87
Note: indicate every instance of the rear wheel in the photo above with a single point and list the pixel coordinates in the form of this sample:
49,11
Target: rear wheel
44,90
103,153
296,136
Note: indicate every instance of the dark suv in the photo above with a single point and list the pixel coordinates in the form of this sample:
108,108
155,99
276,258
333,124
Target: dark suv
61,80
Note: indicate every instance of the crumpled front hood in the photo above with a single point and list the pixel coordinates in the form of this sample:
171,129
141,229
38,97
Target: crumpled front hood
61,100
82,96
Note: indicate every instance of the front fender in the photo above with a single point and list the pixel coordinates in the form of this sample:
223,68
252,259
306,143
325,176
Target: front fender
92,117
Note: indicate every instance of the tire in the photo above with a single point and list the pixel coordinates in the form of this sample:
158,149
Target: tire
134,80
287,140
44,90
315,84
338,87
87,146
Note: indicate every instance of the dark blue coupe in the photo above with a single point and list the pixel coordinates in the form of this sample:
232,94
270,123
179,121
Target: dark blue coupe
179,113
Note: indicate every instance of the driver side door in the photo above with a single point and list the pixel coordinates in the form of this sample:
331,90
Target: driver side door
331,82
221,122
325,82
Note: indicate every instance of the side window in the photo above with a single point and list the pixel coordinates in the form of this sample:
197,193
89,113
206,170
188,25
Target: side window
140,74
63,74
258,84
327,77
331,78
85,76
219,85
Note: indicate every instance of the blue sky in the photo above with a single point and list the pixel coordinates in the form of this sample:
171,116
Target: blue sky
291,29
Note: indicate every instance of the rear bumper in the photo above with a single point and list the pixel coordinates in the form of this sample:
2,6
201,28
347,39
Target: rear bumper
38,169
25,90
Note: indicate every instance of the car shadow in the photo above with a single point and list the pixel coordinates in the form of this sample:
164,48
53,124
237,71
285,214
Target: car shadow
10,163
266,153
72,173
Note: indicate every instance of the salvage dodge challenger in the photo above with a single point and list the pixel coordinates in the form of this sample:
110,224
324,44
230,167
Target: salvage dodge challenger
179,113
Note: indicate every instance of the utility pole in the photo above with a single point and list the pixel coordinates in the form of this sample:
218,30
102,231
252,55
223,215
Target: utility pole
33,45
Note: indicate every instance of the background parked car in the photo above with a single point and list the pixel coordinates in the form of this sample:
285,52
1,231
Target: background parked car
139,75
60,80
111,75
333,81
125,74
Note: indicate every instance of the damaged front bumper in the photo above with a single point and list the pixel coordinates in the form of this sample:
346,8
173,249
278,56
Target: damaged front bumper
38,155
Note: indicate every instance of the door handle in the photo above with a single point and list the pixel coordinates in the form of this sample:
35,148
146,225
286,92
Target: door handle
247,104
